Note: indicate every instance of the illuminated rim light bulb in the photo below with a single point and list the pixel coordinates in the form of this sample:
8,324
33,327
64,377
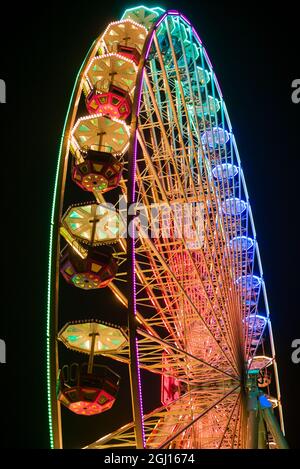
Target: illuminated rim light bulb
225,170
234,206
243,243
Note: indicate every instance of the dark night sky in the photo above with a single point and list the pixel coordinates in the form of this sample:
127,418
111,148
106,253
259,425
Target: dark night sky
254,50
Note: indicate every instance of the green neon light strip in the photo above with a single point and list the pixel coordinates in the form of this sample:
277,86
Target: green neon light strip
50,261
157,10
50,264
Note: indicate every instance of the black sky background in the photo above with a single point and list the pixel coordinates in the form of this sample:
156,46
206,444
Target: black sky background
254,48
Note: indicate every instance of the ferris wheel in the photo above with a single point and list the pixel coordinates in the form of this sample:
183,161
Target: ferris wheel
154,267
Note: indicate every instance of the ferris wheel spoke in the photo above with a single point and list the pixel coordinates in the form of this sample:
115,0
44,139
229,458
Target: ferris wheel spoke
184,293
201,416
240,437
163,421
124,300
185,111
168,259
214,155
229,431
164,357
122,437
176,294
178,360
216,433
235,443
157,178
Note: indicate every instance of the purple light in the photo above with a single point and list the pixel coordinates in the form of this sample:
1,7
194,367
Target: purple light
173,12
133,257
139,98
207,59
140,393
160,21
218,86
146,55
185,19
196,35
138,111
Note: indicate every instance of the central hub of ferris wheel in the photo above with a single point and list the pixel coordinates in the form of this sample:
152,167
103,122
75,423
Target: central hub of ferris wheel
182,304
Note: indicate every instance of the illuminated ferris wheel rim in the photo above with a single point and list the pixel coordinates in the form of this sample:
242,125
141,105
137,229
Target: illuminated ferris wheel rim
133,142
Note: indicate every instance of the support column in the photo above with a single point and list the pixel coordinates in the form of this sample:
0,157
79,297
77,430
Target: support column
262,437
272,423
252,409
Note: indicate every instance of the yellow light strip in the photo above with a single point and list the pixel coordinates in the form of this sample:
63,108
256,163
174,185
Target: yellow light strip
81,251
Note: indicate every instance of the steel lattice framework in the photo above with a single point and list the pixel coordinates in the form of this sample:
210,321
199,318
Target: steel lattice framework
197,306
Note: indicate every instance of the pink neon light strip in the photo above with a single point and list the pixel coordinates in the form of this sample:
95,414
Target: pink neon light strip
160,21
170,12
132,234
185,19
196,35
